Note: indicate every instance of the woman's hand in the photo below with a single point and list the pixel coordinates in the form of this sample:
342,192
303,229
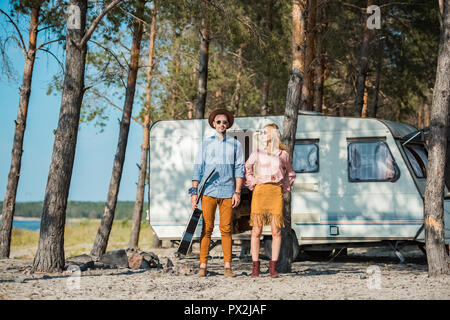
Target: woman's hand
235,200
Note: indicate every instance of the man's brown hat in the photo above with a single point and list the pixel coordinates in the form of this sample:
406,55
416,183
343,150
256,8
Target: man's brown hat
213,114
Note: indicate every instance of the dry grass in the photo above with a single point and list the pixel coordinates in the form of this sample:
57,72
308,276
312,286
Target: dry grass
79,238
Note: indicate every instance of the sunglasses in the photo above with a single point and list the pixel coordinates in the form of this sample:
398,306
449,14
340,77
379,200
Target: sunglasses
264,132
222,121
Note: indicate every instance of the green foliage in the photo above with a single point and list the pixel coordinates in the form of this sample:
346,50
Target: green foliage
233,24
409,36
412,44
51,27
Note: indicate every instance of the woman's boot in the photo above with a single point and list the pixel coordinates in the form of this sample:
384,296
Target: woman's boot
255,270
273,269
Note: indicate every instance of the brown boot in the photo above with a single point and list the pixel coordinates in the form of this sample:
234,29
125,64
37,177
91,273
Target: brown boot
255,270
201,272
273,269
228,273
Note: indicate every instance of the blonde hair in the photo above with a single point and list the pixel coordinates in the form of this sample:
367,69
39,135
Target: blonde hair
274,127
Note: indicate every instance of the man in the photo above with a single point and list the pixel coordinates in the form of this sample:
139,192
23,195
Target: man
224,154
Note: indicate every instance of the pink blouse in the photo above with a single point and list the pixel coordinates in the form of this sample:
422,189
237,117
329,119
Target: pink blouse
263,168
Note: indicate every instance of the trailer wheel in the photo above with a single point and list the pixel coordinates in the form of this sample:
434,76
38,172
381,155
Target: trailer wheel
268,246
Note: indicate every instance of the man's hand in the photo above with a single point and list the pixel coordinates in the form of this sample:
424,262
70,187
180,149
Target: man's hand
194,201
235,200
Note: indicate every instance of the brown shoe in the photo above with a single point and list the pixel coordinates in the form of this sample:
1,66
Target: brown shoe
228,273
273,269
201,272
255,270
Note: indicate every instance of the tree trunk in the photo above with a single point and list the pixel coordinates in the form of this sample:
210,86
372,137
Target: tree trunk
237,90
321,53
397,112
320,72
265,95
420,117
434,206
176,71
307,95
101,240
374,106
363,66
219,95
203,68
190,108
266,78
139,204
365,110
288,137
19,132
426,115
447,157
50,252
293,99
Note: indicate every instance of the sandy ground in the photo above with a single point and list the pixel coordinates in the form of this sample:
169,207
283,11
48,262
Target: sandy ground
362,274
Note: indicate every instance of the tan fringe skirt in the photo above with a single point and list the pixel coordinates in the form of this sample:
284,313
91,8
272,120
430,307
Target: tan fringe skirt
267,204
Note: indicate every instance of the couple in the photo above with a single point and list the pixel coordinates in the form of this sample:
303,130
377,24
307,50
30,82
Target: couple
268,172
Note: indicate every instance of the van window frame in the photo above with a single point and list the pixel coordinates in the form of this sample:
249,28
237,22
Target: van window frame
411,169
314,142
415,155
351,141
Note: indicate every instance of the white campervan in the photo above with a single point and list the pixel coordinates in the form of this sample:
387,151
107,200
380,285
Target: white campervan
360,182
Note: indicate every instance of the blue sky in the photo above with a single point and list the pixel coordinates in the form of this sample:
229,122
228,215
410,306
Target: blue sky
95,151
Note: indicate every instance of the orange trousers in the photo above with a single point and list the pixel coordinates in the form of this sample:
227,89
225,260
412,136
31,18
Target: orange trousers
209,205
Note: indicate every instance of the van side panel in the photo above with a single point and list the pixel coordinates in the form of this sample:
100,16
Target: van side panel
173,145
173,148
321,201
337,210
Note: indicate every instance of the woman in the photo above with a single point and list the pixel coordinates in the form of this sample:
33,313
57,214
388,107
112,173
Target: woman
269,172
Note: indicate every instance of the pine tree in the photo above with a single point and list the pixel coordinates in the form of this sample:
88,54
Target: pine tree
50,253
434,196
101,240
293,100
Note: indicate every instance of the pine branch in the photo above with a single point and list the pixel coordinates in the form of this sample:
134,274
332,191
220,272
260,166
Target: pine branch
95,23
22,43
54,56
115,106
111,53
56,40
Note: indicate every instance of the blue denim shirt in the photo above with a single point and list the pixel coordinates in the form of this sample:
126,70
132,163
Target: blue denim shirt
227,158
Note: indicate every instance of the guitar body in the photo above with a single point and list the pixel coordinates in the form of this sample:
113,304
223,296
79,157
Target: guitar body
186,240
188,235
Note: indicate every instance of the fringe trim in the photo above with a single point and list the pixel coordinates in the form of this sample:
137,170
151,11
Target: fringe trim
265,219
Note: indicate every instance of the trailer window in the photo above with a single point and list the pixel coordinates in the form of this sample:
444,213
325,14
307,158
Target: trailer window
306,157
418,158
371,161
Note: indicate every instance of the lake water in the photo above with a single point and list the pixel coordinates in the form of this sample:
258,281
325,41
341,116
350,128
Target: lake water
32,225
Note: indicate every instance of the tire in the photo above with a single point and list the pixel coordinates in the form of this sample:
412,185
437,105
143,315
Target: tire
268,246
295,246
